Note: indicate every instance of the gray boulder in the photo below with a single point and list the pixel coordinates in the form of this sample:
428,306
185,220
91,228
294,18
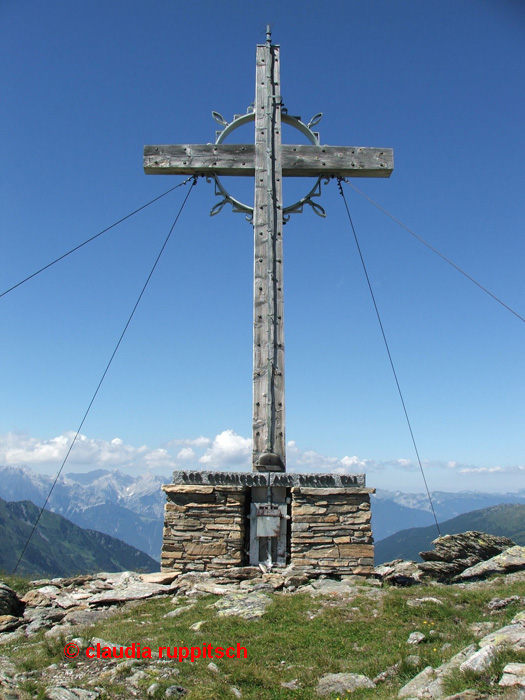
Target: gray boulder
399,573
342,683
480,660
500,603
250,606
10,603
419,684
512,635
513,676
429,682
9,622
469,694
331,587
126,586
512,559
416,638
452,554
62,693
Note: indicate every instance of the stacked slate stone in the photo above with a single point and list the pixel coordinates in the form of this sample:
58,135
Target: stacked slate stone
204,527
332,531
206,524
452,554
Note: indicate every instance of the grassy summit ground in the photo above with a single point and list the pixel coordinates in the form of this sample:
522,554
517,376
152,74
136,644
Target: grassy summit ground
299,638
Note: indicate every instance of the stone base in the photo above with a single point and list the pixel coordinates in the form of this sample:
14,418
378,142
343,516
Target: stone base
204,527
332,531
207,521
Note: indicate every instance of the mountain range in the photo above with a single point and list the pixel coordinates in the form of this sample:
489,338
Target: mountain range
393,511
131,508
507,519
116,504
60,548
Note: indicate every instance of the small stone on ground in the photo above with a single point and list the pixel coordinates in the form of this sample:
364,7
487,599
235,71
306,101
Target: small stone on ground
342,683
416,638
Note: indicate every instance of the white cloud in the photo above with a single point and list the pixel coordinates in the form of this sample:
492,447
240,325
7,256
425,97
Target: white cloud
19,449
228,449
191,442
231,451
405,463
298,460
493,470
159,459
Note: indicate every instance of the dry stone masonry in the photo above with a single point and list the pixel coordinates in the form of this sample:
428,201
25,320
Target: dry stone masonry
332,531
204,527
328,528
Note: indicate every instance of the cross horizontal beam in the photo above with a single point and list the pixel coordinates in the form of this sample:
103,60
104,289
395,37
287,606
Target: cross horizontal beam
297,161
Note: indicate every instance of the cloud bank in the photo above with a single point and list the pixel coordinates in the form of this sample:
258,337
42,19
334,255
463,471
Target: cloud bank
227,450
230,451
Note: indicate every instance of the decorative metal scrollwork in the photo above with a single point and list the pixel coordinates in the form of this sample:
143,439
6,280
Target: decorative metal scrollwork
219,118
297,208
315,120
239,207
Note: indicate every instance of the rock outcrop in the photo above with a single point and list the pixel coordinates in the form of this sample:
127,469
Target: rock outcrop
512,559
399,573
10,603
342,683
476,658
452,554
468,556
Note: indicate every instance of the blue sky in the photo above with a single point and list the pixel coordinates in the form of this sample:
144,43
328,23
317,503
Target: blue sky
87,84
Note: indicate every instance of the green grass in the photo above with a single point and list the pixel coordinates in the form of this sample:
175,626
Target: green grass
299,637
18,583
457,681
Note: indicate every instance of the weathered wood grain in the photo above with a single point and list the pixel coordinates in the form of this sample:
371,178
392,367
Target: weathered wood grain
297,161
190,159
346,161
268,306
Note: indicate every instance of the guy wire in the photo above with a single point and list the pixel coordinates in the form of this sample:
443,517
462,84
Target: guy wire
106,371
18,284
389,355
435,250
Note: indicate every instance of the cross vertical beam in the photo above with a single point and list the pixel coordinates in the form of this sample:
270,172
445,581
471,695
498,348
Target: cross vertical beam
268,160
268,309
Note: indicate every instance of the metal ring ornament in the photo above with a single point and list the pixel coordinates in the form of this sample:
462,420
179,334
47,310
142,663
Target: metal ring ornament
240,207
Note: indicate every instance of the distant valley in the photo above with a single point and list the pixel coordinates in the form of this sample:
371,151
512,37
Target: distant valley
393,511
60,548
503,519
108,501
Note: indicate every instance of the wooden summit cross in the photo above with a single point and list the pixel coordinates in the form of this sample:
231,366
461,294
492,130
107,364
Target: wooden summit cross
268,160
